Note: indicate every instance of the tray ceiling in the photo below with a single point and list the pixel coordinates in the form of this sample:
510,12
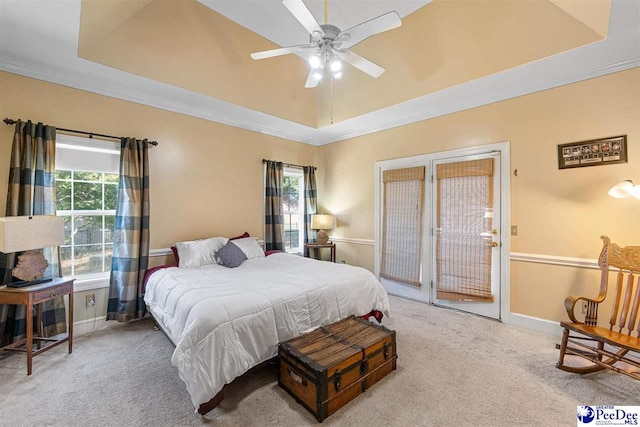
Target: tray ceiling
193,57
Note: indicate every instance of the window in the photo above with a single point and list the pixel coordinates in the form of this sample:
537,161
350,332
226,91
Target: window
86,194
293,208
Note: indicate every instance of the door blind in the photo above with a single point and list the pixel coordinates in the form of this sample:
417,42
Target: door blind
402,224
463,233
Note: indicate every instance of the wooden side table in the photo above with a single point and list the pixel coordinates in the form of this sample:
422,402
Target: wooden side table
314,247
37,294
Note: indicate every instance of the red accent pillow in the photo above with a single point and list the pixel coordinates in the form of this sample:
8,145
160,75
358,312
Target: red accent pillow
174,249
274,251
242,236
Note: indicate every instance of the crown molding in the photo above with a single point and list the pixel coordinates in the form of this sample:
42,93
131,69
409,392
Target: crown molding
182,101
155,94
451,100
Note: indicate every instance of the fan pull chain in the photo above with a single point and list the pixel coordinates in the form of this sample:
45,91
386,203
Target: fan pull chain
331,99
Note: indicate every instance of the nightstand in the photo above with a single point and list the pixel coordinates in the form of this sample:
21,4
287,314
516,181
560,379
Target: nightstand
37,294
314,248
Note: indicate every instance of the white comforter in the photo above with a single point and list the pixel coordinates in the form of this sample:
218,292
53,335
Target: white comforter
224,321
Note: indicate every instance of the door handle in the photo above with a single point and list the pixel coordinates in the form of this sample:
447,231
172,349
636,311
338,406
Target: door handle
494,244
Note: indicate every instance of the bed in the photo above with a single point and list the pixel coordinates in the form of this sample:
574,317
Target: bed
225,321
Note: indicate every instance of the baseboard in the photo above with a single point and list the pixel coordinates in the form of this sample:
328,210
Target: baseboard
82,327
549,327
545,326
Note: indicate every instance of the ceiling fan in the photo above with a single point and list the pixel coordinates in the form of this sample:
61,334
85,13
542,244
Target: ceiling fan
328,45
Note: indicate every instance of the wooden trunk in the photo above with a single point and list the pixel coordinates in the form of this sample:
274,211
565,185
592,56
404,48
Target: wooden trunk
325,369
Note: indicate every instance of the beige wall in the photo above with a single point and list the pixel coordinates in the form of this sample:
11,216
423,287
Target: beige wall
206,178
559,212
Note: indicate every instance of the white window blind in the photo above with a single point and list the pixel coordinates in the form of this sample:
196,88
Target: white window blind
463,233
85,154
402,224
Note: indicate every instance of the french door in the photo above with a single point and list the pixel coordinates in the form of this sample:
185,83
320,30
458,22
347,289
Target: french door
466,234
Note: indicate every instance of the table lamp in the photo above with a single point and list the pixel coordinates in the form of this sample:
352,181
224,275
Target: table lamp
26,233
322,222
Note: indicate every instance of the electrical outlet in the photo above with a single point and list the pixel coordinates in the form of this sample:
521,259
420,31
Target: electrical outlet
514,230
91,300
584,307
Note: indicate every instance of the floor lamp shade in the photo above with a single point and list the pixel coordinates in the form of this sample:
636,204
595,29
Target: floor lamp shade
322,222
23,233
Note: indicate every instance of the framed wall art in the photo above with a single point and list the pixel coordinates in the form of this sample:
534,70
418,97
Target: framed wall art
595,152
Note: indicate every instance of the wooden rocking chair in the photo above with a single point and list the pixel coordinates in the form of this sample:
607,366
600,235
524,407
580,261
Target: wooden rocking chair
621,337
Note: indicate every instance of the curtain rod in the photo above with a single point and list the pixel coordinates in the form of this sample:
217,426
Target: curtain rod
291,165
9,121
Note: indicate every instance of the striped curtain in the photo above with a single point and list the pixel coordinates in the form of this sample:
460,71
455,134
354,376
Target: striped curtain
31,192
273,213
310,204
131,234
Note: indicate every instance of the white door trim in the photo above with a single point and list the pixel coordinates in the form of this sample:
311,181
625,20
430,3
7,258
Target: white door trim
505,189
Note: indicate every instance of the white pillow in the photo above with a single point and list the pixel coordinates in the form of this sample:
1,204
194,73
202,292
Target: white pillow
196,253
250,247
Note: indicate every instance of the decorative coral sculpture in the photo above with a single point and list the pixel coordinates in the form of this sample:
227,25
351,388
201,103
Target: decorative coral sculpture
31,266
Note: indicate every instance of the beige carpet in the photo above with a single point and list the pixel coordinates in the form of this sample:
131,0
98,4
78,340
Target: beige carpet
454,370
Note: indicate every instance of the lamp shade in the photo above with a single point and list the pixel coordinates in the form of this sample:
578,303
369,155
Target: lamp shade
322,222
23,233
621,190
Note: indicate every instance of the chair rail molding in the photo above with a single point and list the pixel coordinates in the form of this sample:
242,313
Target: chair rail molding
555,260
354,241
160,252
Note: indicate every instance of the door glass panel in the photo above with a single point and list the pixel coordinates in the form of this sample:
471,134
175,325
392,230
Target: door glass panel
463,231
402,225
463,248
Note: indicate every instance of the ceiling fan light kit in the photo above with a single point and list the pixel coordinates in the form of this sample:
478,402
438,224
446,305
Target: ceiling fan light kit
316,61
329,45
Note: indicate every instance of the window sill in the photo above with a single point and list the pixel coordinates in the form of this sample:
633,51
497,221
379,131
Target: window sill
90,283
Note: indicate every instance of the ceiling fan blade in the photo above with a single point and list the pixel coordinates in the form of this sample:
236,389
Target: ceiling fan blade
382,23
280,51
302,14
362,64
311,80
